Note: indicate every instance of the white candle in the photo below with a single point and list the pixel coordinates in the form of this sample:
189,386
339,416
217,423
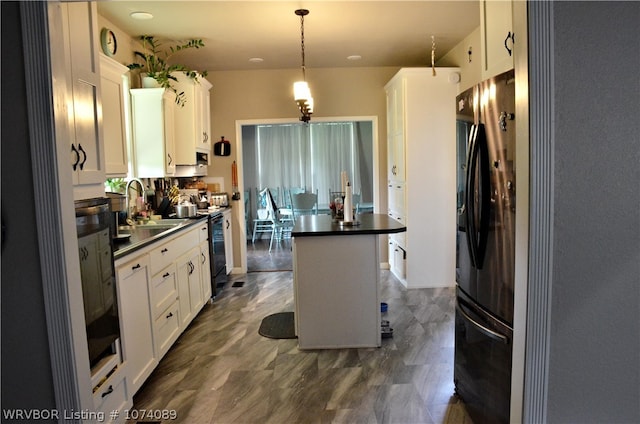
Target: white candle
348,204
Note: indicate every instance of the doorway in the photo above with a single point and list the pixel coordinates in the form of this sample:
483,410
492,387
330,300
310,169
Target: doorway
281,154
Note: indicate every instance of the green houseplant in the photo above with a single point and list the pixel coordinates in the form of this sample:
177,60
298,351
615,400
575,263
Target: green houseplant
153,60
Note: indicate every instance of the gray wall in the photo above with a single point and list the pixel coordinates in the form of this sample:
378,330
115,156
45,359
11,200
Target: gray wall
594,374
26,371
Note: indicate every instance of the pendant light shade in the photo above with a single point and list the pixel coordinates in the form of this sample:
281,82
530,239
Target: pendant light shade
301,91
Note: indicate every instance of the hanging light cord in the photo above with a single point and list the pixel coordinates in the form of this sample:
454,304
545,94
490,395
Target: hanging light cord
304,77
433,55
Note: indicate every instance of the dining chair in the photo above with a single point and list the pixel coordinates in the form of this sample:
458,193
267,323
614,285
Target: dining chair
286,211
278,226
304,204
261,221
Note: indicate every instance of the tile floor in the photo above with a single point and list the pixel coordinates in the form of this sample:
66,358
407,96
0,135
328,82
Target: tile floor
222,371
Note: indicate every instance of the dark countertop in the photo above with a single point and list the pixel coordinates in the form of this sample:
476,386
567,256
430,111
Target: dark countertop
323,225
144,235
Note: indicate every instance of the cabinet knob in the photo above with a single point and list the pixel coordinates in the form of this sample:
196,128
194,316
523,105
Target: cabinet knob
165,250
169,315
165,275
136,266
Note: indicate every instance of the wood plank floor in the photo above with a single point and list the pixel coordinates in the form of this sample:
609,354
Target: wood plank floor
222,371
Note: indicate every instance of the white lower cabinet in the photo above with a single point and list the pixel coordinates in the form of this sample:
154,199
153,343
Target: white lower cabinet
189,286
160,291
205,271
113,395
166,328
164,306
136,329
228,240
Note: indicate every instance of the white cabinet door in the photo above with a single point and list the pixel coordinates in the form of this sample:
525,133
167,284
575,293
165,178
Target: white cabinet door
496,34
133,278
205,271
193,119
227,228
114,85
189,286
82,45
395,131
205,141
152,111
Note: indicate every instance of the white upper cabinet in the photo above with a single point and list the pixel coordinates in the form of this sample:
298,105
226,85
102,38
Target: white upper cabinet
193,120
115,83
497,38
81,48
395,131
152,112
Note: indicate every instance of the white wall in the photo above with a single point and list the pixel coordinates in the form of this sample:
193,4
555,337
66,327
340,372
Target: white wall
469,64
268,95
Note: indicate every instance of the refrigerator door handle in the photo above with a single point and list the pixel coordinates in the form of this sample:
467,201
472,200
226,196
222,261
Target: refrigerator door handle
484,330
484,186
469,195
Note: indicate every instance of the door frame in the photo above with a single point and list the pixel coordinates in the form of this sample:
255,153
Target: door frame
239,161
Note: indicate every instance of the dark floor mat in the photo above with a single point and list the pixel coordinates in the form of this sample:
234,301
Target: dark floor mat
278,326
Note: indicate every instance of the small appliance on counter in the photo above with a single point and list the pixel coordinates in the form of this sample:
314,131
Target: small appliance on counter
219,199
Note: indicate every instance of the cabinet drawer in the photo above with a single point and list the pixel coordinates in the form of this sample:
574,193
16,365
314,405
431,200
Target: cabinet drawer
164,290
167,329
131,267
112,395
171,250
203,232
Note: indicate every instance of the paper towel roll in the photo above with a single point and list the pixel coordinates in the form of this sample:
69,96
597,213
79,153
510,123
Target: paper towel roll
348,204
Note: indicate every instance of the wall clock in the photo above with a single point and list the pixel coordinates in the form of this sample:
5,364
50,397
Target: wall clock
108,42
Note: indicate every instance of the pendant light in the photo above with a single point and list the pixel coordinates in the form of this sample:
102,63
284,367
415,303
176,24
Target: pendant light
301,91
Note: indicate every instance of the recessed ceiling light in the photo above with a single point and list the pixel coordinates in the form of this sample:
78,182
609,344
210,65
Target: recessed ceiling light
143,16
256,59
354,57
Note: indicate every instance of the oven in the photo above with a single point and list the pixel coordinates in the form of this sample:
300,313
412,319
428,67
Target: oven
218,259
95,248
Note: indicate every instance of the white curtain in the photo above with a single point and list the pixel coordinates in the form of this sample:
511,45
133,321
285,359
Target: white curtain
311,156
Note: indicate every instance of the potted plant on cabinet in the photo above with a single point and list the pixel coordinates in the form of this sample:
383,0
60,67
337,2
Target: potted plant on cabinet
154,64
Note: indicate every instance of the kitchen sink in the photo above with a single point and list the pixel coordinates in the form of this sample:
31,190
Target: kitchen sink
158,224
140,232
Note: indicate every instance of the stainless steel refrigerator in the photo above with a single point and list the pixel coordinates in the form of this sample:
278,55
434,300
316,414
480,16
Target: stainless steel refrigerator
485,248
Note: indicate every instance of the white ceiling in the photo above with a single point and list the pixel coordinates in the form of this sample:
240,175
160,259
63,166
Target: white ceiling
384,33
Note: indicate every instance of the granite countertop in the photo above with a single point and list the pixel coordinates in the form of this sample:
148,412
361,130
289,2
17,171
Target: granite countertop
323,225
143,235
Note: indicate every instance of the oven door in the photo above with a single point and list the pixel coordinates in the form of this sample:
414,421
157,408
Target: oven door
482,366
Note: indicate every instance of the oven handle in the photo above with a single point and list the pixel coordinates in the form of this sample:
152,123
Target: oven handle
486,331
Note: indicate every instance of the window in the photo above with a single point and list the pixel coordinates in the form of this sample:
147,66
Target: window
310,156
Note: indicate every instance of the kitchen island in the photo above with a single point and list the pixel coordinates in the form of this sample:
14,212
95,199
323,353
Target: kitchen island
336,280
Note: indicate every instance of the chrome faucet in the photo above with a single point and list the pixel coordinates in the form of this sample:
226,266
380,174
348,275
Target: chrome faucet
126,192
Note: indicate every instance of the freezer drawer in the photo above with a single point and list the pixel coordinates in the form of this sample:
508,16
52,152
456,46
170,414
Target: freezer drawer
482,369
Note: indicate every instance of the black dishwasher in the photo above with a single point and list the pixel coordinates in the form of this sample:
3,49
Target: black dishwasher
217,252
